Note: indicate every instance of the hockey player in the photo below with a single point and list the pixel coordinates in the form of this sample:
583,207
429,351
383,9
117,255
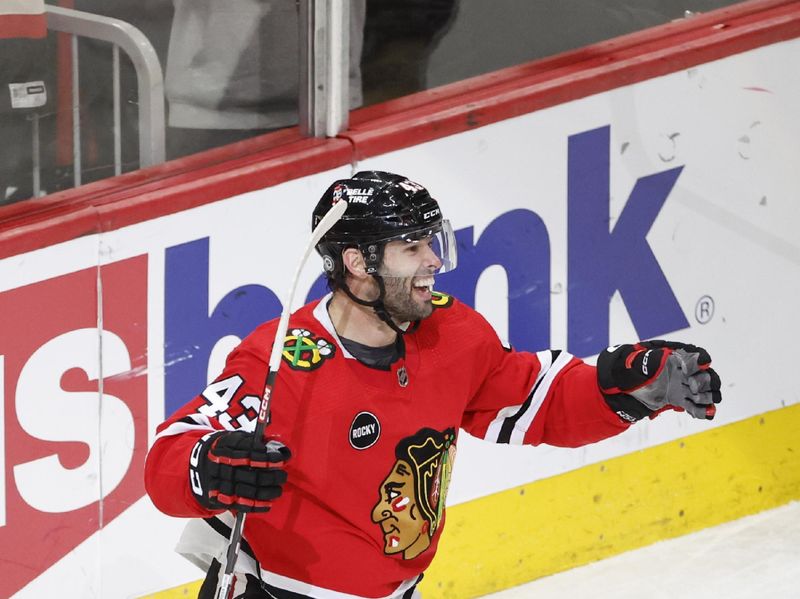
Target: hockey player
377,379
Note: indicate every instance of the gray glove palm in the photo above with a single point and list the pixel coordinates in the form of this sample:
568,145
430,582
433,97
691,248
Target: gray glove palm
642,379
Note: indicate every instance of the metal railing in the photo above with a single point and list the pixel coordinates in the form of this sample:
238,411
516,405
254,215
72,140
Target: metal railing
324,96
149,76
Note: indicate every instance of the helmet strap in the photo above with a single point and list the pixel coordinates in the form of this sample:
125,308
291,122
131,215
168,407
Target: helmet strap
377,305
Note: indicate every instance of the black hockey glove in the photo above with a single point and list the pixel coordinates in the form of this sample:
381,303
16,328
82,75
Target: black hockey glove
639,380
230,470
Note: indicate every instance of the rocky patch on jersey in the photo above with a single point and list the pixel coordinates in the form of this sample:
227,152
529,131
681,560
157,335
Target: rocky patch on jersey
411,498
441,300
365,430
302,350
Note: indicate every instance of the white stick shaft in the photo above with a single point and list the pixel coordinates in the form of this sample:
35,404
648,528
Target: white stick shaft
331,218
333,215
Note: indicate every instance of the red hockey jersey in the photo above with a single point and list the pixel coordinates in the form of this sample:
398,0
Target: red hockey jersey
363,508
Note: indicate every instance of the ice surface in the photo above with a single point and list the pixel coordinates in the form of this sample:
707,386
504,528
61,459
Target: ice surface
756,556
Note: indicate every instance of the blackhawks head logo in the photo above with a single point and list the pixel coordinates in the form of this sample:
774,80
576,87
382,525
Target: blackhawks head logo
303,351
412,497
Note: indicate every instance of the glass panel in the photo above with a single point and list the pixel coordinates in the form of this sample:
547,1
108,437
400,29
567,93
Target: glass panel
413,45
231,69
26,107
231,72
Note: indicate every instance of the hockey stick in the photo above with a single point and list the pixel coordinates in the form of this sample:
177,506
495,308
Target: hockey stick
330,219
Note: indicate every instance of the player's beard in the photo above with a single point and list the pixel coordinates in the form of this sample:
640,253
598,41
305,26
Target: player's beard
400,302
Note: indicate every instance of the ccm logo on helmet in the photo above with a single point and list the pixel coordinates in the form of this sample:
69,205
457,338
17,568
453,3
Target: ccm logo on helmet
431,214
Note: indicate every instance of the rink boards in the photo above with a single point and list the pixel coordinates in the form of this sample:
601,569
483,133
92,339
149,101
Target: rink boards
666,208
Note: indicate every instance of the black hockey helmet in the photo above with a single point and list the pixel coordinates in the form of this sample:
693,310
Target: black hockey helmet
382,207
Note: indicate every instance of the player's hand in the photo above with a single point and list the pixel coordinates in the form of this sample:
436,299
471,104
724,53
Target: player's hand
639,380
231,470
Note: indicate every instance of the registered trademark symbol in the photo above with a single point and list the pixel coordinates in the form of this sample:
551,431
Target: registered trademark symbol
704,309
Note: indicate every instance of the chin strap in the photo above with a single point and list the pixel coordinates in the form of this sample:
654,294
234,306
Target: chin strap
377,305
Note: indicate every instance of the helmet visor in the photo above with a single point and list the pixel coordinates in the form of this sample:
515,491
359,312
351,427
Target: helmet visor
420,253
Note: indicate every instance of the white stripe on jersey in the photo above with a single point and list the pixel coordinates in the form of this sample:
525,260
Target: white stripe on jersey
204,540
524,414
493,432
201,423
321,314
309,590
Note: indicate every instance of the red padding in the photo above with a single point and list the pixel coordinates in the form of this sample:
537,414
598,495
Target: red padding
18,26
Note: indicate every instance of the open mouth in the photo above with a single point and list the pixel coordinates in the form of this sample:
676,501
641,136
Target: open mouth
422,286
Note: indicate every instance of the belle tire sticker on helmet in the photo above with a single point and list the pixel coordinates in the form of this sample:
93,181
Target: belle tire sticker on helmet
302,350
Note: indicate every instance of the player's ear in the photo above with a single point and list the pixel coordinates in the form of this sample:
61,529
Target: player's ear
354,263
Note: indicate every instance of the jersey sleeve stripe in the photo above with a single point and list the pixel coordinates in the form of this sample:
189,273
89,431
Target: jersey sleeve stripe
496,430
194,422
296,588
515,427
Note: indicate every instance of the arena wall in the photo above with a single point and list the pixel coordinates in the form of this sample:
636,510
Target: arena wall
642,188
